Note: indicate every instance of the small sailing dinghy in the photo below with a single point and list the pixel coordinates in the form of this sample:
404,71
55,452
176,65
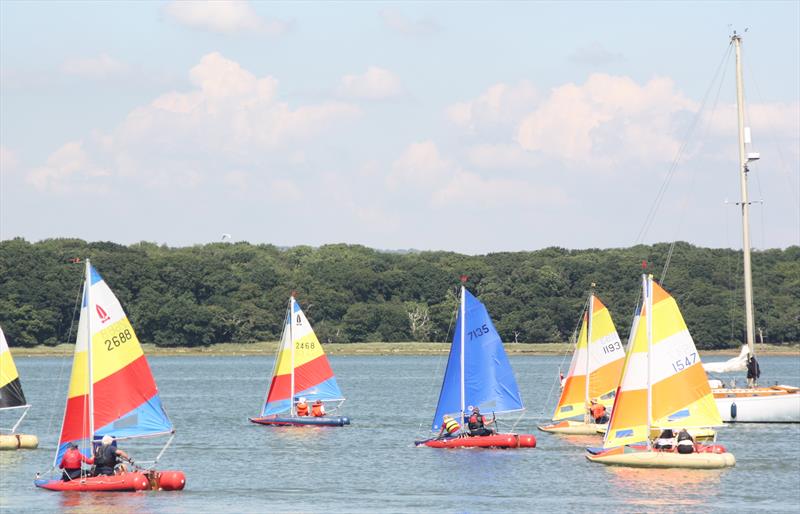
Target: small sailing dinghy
111,392
12,400
662,385
301,372
593,373
478,374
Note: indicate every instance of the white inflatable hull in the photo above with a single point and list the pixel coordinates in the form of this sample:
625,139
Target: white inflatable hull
654,459
780,404
573,428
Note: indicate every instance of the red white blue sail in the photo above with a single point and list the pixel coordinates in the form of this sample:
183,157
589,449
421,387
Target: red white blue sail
301,367
478,372
111,389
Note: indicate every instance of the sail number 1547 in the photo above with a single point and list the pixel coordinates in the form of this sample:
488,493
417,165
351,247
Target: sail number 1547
684,362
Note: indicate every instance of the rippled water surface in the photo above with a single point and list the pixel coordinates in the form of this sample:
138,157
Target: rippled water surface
372,466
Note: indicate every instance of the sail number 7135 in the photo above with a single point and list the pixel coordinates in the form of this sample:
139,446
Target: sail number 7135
684,362
478,332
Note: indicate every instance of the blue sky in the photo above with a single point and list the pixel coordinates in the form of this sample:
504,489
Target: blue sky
473,127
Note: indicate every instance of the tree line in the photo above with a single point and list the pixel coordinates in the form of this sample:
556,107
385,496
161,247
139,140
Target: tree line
222,292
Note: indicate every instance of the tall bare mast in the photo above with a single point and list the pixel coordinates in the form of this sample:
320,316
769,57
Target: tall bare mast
745,202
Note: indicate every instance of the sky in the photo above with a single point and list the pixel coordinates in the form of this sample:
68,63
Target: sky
473,127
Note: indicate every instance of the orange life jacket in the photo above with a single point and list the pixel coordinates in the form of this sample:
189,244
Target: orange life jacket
302,409
598,410
317,410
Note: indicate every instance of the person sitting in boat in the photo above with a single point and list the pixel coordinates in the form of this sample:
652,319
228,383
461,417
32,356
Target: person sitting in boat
665,441
477,424
598,412
106,457
71,462
301,407
450,428
685,442
318,409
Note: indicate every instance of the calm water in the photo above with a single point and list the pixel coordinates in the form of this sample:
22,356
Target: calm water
235,466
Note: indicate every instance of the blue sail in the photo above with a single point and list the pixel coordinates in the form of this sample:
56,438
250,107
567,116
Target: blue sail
489,381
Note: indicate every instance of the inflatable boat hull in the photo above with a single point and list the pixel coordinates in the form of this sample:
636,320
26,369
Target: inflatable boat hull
18,442
124,482
706,457
489,441
572,428
324,421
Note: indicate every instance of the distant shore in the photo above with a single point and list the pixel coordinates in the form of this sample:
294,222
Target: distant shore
269,348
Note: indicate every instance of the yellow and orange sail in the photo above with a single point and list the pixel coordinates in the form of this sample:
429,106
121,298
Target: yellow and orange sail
663,384
596,364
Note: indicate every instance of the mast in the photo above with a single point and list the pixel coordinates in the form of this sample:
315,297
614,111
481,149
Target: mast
89,351
463,327
588,341
291,344
743,160
648,302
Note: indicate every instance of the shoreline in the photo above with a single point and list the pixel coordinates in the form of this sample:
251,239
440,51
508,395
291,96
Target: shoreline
270,348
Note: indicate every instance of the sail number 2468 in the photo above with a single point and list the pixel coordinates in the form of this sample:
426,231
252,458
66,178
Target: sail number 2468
684,362
122,337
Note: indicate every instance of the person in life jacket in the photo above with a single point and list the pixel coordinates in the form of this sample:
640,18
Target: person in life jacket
106,457
318,409
477,424
450,428
302,407
71,463
685,442
665,441
598,412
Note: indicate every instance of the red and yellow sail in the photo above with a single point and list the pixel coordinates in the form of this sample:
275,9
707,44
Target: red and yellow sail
598,358
669,366
117,386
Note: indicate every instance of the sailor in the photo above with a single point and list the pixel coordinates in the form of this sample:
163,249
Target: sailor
598,412
450,427
477,424
105,457
318,409
685,442
71,462
302,407
753,371
665,441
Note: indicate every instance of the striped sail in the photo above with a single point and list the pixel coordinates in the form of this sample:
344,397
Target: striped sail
11,394
598,355
121,393
301,367
669,366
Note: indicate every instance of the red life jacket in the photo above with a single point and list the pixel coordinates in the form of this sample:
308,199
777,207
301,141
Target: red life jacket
317,410
72,459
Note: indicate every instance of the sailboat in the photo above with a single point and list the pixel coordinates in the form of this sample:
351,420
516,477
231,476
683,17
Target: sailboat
12,399
662,385
753,404
111,392
478,374
301,371
593,373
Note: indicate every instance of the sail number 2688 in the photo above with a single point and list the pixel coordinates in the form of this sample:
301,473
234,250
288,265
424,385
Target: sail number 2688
478,332
122,337
684,362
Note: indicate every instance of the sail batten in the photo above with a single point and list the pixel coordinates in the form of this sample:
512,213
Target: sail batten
301,367
488,381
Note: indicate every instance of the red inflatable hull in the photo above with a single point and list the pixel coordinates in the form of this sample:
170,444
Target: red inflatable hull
133,481
489,441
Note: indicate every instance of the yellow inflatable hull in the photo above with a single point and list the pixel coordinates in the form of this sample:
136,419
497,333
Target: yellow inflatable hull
572,428
18,441
654,459
698,434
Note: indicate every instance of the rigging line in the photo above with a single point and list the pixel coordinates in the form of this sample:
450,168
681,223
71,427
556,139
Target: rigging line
651,214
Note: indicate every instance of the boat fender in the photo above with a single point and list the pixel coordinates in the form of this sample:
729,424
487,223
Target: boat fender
28,441
733,411
171,480
9,442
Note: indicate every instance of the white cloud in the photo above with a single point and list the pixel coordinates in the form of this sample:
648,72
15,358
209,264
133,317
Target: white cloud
8,160
100,67
501,103
509,156
607,120
397,22
595,55
224,16
420,166
375,84
68,169
495,192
